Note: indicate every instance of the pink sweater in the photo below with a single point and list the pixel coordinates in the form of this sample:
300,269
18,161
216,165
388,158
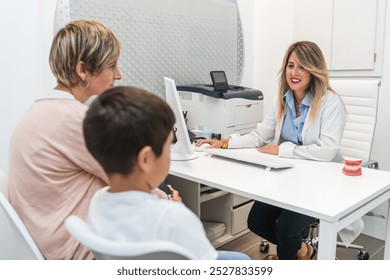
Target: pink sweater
52,175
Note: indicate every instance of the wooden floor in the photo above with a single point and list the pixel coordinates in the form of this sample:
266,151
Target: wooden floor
249,244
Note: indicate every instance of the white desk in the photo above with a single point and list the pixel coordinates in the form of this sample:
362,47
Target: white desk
317,189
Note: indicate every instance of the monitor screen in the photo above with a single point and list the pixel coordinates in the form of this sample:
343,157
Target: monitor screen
182,149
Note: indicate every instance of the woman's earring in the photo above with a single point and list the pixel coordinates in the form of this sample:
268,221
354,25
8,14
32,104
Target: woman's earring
84,84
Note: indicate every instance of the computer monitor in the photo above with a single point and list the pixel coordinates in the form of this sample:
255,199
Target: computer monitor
182,149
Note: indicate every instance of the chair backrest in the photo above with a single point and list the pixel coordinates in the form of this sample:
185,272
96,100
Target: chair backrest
361,100
3,184
106,249
16,242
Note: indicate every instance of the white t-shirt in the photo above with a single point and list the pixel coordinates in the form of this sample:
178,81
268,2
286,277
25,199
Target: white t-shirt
140,216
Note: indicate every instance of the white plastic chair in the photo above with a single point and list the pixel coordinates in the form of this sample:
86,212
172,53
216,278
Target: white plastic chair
3,184
107,249
16,242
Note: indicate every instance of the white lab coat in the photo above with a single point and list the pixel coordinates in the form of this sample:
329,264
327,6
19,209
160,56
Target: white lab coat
321,137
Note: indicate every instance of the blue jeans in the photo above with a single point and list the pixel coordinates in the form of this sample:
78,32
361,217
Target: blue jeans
281,227
230,255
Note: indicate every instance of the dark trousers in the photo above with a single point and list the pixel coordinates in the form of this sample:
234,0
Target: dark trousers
282,227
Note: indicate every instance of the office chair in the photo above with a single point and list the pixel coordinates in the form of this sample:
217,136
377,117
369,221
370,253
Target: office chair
107,249
361,99
16,242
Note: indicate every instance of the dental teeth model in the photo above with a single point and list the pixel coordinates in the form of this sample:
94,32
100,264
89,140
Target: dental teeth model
352,167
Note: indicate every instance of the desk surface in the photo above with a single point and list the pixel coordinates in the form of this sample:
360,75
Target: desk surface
317,189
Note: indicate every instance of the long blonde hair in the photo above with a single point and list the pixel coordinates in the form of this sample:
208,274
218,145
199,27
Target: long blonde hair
310,57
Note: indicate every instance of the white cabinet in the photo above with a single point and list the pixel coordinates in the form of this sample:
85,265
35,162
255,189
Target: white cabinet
313,22
349,32
353,40
216,207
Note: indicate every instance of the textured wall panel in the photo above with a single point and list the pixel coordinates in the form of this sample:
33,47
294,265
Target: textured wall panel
181,39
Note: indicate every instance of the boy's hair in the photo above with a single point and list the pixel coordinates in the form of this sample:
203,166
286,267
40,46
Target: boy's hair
82,40
122,121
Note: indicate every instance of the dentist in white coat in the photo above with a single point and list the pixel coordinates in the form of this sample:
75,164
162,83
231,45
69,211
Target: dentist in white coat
306,121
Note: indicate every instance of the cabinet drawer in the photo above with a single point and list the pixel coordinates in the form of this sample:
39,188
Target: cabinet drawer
238,199
239,217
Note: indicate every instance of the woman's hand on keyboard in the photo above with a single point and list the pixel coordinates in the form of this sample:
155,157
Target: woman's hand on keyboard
270,149
213,142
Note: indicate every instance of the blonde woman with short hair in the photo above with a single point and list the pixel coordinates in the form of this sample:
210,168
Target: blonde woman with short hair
51,173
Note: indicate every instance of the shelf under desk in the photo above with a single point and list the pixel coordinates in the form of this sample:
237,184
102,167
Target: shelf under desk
317,189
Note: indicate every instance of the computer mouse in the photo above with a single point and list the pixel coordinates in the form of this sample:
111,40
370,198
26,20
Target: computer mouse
202,147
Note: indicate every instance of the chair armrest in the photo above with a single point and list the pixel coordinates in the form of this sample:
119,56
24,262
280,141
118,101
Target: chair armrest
373,164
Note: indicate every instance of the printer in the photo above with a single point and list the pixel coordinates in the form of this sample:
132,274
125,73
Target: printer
212,113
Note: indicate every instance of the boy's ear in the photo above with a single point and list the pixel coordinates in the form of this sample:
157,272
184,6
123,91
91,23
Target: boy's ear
145,159
81,70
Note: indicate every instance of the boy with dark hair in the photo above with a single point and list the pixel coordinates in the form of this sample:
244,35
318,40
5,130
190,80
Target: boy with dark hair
129,132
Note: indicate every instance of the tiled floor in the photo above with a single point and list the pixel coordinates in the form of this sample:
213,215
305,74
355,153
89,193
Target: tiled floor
249,244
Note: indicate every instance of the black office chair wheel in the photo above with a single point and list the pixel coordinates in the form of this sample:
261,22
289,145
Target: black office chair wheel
362,255
264,246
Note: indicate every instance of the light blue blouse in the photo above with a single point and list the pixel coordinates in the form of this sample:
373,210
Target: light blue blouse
293,125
